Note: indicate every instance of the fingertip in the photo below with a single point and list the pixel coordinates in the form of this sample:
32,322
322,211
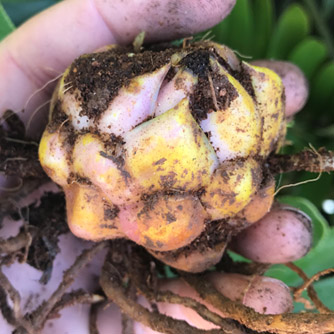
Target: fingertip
265,295
167,19
268,295
283,235
53,38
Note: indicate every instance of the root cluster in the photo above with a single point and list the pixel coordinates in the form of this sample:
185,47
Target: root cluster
129,271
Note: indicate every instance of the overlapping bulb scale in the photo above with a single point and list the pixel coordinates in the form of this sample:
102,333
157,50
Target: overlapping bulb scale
155,153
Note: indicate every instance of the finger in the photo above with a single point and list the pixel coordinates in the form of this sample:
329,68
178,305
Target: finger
283,235
263,294
45,45
176,311
294,81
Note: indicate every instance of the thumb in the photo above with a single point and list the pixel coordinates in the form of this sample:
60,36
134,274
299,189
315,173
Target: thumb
45,45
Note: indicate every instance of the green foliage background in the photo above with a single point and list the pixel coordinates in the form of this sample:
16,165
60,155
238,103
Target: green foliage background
297,31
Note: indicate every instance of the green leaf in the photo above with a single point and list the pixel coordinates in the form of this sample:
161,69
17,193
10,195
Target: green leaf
322,88
169,272
237,257
18,1
316,192
320,257
325,290
20,11
6,25
241,28
328,131
293,26
263,22
221,31
320,225
309,55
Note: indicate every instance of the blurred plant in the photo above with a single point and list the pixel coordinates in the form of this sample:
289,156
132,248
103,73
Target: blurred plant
19,11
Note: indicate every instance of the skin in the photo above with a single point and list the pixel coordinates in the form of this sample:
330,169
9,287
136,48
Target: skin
51,41
283,235
73,27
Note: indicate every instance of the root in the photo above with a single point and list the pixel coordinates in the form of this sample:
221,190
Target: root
290,323
13,295
297,184
58,300
66,89
186,41
203,311
151,292
14,188
313,279
12,314
19,141
93,318
17,243
207,37
310,161
112,286
310,290
128,271
74,298
35,112
41,89
40,315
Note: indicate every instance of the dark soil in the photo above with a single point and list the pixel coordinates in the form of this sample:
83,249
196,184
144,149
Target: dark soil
18,154
99,76
49,221
46,221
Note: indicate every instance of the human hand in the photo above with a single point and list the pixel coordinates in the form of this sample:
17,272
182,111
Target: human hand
43,47
26,82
